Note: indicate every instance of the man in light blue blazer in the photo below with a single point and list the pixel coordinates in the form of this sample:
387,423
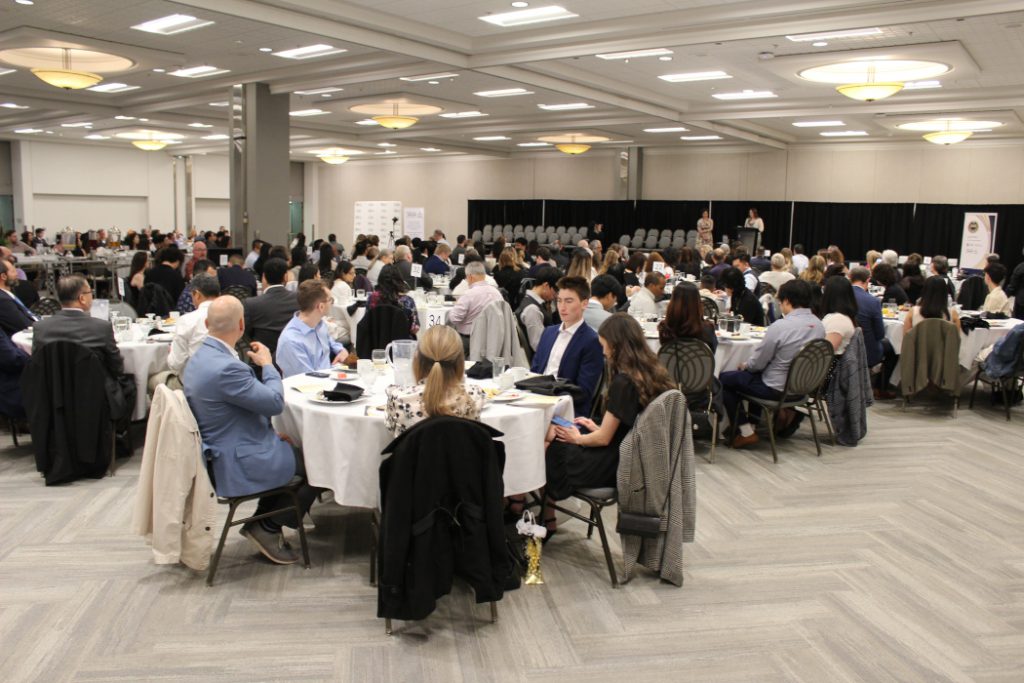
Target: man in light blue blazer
233,411
572,350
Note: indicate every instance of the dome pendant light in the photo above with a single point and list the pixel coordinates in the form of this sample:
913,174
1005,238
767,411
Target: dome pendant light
395,121
150,145
572,148
65,77
947,137
870,91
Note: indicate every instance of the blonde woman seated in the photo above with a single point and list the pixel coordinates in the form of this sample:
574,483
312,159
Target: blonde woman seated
439,366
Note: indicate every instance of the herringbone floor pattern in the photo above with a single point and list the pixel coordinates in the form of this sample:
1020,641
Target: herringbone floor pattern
902,559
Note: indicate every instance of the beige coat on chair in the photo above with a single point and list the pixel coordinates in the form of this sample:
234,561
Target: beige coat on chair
175,506
930,355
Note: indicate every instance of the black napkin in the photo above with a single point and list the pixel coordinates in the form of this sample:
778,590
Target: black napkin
343,392
547,385
482,369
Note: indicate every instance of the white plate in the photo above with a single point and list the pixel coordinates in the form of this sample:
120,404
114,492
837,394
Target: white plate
319,398
509,396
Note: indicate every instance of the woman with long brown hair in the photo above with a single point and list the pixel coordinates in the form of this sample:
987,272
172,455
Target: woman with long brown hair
438,366
815,271
581,265
589,458
509,274
684,318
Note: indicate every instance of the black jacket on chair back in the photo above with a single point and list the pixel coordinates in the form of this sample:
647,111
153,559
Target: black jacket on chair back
441,516
66,402
380,326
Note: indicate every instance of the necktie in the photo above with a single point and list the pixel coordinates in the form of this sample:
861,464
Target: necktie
24,308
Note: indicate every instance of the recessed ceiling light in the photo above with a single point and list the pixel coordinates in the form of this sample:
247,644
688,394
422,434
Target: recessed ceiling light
534,144
160,71
318,91
875,71
819,43
427,77
519,4
745,95
367,122
310,51
142,119
388,151
934,125
28,131
434,82
491,138
308,112
198,72
121,117
698,138
200,125
81,124
429,149
171,24
614,142
25,2
113,87
843,133
507,92
386,144
921,85
12,105
695,76
266,49
216,136
816,37
817,124
462,114
528,16
671,129
565,107
4,72
97,136
665,59
635,54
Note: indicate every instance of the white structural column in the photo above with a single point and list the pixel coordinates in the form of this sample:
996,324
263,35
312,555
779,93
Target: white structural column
21,183
311,201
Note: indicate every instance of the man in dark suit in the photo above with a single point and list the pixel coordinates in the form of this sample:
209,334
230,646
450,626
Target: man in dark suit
572,350
232,409
14,315
403,261
267,314
869,315
167,271
74,324
235,275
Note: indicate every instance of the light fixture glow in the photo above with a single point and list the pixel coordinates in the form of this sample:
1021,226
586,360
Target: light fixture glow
462,114
121,117
572,148
699,138
429,149
520,4
309,112
197,124
843,133
150,145
819,43
216,136
953,124
4,72
25,2
635,54
875,70
817,124
80,124
921,85
832,35
12,105
171,24
334,157
28,131
198,71
695,76
745,95
534,144
528,16
565,107
573,143
65,77
367,122
506,92
427,77
318,91
113,87
266,49
395,121
869,92
310,51
947,137
491,138
386,144
97,136
670,129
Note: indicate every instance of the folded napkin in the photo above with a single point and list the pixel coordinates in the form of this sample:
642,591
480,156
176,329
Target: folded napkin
482,369
343,392
547,385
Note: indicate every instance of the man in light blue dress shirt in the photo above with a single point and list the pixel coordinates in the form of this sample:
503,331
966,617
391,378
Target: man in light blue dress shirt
304,344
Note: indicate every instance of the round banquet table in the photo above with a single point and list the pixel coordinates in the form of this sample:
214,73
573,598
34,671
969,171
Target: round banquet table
971,344
428,314
342,443
729,355
141,359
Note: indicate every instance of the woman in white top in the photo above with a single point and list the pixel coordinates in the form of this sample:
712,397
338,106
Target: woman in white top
932,304
439,366
838,312
754,221
344,276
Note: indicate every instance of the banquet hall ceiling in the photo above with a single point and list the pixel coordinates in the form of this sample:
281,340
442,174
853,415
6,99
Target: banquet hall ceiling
387,40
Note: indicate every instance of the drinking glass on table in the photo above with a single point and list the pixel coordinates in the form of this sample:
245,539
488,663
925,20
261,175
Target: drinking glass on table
360,294
498,366
379,359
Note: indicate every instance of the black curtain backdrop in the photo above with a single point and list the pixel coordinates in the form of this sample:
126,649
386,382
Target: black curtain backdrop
939,228
668,215
501,211
854,228
729,214
618,216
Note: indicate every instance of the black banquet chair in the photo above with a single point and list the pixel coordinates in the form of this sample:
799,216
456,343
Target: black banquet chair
1007,386
691,365
710,309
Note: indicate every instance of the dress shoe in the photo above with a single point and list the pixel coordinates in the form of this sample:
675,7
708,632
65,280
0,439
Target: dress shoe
272,545
743,441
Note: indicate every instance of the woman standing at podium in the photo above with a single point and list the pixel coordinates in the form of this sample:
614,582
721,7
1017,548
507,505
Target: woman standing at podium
757,223
705,230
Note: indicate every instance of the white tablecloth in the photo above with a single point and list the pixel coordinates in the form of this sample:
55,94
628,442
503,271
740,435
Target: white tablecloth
428,315
729,354
970,344
342,445
142,359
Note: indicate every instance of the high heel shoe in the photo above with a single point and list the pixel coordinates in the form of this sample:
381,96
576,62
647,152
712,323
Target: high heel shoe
551,525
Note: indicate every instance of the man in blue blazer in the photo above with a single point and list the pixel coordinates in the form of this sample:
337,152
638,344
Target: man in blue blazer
572,350
869,315
233,411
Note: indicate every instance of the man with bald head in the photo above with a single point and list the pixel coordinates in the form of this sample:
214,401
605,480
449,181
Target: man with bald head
233,411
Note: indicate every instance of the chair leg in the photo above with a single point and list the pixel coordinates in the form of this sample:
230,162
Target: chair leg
301,527
1006,399
974,389
14,429
606,548
590,527
220,545
770,419
375,529
387,626
956,405
827,419
494,612
714,434
814,431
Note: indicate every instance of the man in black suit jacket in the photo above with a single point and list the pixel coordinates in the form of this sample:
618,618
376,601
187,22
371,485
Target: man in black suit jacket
235,275
403,260
14,315
267,314
167,271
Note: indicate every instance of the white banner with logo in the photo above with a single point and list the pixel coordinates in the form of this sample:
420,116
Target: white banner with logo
414,221
978,238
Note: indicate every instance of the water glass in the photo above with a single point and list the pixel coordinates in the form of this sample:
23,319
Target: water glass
379,359
360,293
498,366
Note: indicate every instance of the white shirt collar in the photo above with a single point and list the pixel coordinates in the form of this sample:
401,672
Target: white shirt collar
570,330
223,343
